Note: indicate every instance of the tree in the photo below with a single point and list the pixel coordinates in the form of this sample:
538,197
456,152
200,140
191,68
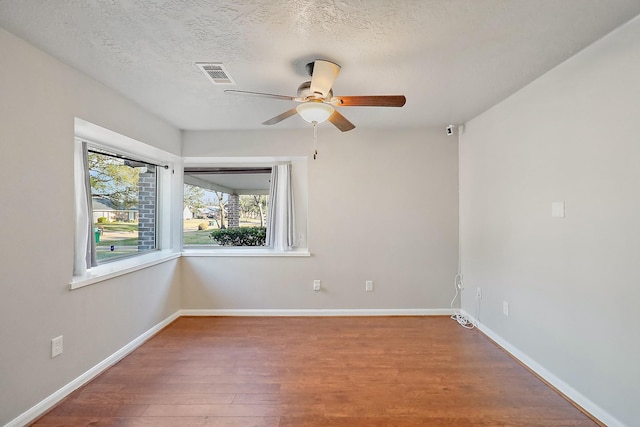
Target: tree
254,204
261,201
194,197
114,179
221,204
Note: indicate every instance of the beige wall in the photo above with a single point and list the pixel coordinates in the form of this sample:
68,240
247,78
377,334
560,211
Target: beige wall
572,283
39,98
382,206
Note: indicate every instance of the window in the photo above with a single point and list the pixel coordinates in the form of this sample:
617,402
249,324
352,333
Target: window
124,193
243,204
123,203
225,206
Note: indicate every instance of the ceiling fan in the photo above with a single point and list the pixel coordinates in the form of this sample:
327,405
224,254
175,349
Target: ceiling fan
317,103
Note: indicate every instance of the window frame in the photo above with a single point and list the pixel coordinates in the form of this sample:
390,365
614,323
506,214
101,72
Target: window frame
300,184
231,170
168,187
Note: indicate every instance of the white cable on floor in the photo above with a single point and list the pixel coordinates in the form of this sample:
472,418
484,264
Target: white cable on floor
457,316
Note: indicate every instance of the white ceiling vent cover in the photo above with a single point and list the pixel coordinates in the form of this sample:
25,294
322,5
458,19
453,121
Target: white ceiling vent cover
216,73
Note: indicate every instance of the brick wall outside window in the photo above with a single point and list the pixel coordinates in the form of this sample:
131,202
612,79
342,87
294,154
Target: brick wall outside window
147,210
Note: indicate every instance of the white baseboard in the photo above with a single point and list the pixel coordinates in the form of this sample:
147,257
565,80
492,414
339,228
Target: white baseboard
46,404
577,397
318,312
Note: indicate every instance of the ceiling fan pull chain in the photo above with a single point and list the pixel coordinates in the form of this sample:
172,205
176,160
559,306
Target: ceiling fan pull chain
315,140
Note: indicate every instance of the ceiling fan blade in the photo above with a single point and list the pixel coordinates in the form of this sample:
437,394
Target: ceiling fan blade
371,101
281,117
324,74
264,95
341,122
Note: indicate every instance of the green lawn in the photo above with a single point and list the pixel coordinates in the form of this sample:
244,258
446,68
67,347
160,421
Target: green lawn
119,226
118,233
120,242
200,237
191,235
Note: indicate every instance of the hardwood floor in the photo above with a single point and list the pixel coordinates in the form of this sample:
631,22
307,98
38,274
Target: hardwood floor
304,372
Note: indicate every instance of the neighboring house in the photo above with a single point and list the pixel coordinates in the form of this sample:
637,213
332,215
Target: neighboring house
186,213
103,207
206,212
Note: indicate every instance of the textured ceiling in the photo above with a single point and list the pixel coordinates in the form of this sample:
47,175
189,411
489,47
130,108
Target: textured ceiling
451,58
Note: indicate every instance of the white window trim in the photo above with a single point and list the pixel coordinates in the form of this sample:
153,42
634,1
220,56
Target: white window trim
121,267
129,265
169,192
243,252
169,232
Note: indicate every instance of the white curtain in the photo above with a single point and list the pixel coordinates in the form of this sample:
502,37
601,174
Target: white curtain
85,245
280,221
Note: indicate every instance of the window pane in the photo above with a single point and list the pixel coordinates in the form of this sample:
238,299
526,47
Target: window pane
124,199
216,218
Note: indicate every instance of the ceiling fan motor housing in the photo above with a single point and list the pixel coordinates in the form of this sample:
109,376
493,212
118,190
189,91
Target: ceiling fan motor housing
304,93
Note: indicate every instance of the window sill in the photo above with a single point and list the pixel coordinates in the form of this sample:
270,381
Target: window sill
118,268
243,252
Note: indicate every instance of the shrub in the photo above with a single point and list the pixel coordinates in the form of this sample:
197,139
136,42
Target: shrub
203,226
103,220
245,236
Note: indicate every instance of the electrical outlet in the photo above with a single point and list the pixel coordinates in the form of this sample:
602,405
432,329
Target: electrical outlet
56,346
316,285
368,285
479,293
505,308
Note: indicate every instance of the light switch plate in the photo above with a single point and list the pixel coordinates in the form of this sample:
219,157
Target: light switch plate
56,346
557,209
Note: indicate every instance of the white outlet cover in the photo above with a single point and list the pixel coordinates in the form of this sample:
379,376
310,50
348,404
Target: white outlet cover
316,285
368,285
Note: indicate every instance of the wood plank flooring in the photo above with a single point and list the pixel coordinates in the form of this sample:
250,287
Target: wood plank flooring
312,372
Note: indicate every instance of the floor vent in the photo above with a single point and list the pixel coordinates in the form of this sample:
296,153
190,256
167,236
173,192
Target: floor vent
216,73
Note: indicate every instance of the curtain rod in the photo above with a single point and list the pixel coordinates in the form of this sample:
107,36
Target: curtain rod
226,170
123,157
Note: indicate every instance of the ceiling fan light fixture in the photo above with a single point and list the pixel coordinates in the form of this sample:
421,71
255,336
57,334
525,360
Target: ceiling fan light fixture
315,111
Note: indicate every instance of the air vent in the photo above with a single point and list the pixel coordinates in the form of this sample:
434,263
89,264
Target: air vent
216,73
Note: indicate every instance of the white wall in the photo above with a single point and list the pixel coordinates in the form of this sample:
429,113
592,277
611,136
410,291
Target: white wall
382,206
572,283
39,98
